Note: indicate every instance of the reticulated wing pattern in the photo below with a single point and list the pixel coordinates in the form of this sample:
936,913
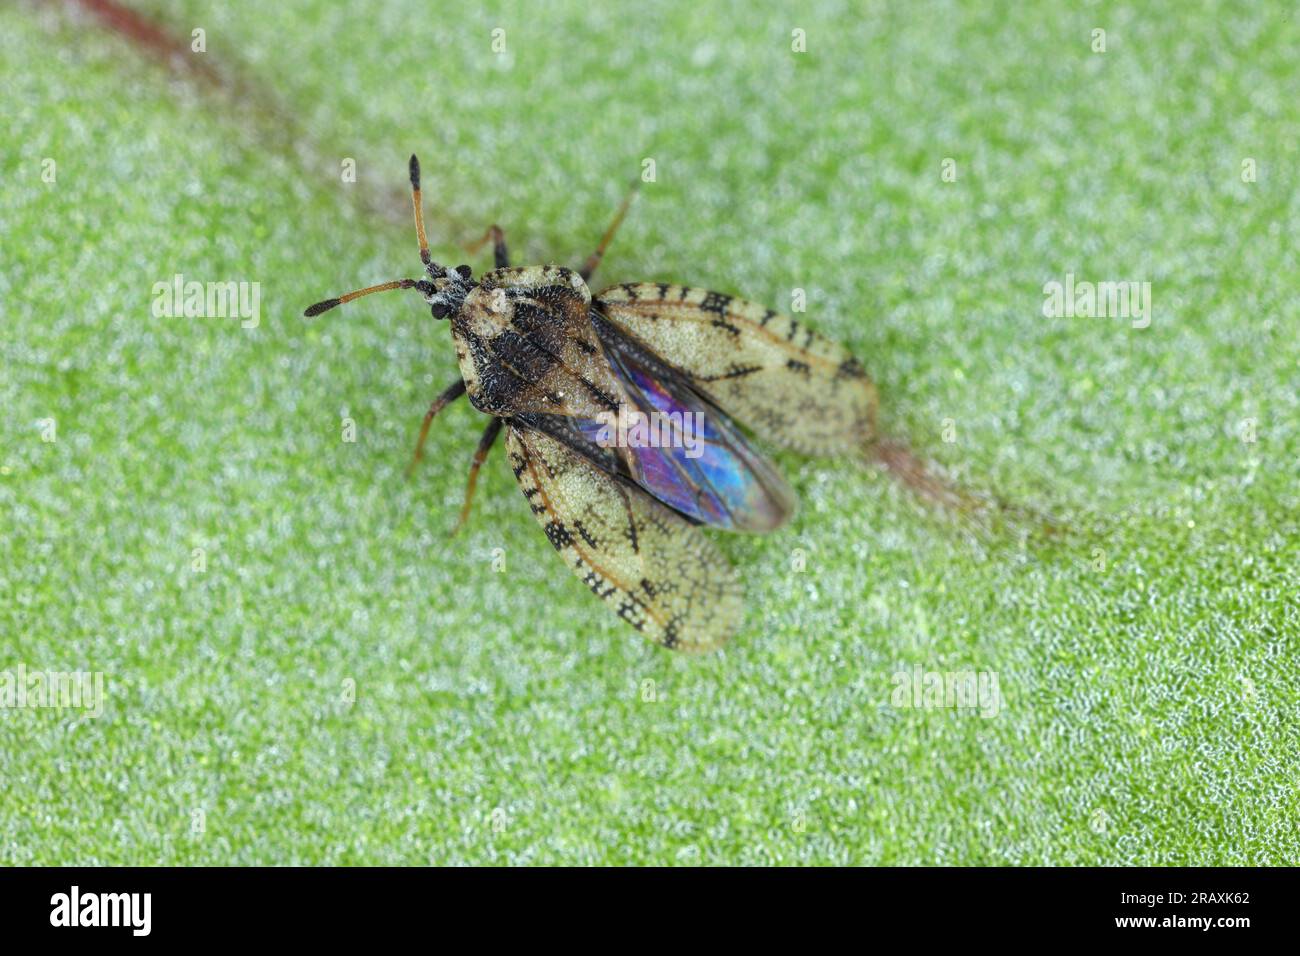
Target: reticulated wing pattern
653,568
774,374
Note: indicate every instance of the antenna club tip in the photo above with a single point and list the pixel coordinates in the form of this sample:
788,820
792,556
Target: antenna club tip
415,171
320,307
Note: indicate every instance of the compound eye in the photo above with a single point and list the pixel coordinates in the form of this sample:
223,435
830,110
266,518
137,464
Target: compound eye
463,271
440,310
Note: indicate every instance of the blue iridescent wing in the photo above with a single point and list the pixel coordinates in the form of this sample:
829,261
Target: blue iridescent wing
770,372
689,455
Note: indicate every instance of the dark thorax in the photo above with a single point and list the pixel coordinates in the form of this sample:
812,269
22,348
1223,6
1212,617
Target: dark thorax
525,344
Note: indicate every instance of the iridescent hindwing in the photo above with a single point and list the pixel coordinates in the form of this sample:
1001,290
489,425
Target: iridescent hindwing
712,474
770,372
653,568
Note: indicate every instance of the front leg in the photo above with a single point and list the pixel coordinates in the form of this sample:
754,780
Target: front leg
499,252
593,261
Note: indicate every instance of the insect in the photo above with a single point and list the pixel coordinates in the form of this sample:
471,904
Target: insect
554,367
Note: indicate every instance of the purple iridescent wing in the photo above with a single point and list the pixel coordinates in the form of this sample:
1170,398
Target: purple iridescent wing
767,371
687,453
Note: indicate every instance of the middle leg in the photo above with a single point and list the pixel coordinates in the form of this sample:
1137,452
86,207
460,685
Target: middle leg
452,392
480,455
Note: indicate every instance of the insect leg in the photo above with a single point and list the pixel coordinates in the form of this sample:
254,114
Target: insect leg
501,256
480,455
593,260
449,395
